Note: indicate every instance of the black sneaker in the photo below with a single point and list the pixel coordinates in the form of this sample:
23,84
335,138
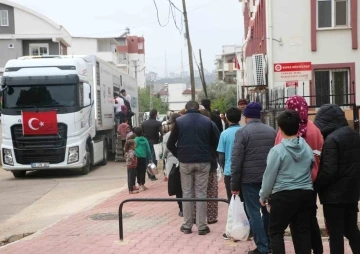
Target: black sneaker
204,231
225,237
185,230
256,251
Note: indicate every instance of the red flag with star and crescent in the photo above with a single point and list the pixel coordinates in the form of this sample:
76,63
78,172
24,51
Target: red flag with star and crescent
39,123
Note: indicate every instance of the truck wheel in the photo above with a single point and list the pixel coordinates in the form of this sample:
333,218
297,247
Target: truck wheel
105,154
19,174
86,169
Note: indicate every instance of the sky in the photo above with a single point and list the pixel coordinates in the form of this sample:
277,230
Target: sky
212,23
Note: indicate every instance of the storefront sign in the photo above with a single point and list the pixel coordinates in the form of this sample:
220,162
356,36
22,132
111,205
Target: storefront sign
300,71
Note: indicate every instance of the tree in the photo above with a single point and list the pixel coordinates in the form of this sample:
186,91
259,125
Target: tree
222,96
144,101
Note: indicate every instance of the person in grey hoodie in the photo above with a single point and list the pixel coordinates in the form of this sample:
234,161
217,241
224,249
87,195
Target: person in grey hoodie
287,186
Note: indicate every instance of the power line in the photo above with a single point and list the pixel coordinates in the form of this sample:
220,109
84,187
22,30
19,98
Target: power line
202,6
157,14
171,3
174,18
144,24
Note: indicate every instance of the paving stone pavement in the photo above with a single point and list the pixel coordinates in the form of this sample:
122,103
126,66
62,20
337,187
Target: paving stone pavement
153,228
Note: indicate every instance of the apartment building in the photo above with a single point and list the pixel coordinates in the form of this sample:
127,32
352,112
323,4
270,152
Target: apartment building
306,47
132,57
25,32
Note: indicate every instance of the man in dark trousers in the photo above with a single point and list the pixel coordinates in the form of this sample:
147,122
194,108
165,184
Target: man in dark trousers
214,117
192,140
248,163
338,179
152,131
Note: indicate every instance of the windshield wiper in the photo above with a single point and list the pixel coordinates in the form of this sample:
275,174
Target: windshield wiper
24,106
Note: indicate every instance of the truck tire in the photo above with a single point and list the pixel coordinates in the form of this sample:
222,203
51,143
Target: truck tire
105,154
86,168
19,174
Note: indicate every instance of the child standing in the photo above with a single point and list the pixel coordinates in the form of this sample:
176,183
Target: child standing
129,133
143,152
122,131
131,164
226,144
287,183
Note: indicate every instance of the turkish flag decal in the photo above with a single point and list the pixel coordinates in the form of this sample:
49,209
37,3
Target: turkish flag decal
39,123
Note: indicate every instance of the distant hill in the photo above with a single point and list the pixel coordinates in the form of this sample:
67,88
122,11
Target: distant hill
210,78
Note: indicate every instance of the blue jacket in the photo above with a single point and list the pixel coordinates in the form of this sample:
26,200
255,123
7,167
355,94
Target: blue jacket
288,167
194,138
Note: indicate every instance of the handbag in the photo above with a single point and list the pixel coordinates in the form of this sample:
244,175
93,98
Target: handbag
174,180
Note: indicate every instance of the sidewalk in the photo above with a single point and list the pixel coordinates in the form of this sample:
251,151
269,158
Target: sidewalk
150,228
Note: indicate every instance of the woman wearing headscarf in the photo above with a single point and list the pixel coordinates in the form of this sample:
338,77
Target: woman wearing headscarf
314,139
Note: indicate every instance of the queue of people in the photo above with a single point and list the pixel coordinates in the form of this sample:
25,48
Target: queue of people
284,170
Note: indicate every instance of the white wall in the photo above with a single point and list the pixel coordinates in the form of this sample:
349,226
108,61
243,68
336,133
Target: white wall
29,24
141,71
176,99
292,23
83,46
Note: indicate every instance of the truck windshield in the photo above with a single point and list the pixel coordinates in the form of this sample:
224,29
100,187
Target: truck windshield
40,96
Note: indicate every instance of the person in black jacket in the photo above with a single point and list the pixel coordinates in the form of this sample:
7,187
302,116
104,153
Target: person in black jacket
338,179
192,141
152,131
214,117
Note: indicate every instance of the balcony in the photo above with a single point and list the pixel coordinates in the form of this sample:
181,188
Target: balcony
108,57
230,67
122,62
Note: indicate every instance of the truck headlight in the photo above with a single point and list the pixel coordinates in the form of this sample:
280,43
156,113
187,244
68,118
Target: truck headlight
8,157
73,154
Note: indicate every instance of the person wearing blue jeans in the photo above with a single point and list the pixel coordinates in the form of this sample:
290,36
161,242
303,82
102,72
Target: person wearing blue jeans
248,163
259,224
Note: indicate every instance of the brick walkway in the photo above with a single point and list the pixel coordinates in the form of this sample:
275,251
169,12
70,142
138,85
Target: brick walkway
153,228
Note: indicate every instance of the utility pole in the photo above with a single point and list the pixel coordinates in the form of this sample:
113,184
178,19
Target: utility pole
190,52
136,66
166,67
202,74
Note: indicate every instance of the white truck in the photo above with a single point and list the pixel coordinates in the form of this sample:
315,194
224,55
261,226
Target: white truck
79,89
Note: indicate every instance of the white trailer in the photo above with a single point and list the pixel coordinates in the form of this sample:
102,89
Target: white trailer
80,89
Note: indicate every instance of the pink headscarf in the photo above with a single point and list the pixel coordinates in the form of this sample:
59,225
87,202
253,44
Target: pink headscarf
299,104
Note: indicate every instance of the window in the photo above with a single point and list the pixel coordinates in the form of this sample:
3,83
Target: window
39,49
332,86
333,13
141,45
4,18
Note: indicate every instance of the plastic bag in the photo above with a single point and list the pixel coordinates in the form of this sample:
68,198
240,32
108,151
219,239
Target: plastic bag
237,226
219,172
158,151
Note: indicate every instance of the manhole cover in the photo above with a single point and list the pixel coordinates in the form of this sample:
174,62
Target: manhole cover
109,216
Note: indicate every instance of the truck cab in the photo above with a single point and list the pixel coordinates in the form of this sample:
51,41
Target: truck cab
66,85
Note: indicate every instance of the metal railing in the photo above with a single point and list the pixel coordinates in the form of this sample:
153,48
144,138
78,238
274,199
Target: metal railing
121,225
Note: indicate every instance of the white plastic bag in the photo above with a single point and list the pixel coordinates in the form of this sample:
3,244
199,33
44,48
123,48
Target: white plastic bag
219,172
237,226
158,151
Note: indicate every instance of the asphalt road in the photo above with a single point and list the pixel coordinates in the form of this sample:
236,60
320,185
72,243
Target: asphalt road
45,197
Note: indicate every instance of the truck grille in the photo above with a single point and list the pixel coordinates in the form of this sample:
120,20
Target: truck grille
44,148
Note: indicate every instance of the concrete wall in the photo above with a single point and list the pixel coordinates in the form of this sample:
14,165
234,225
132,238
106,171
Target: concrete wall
6,54
83,46
29,24
11,28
